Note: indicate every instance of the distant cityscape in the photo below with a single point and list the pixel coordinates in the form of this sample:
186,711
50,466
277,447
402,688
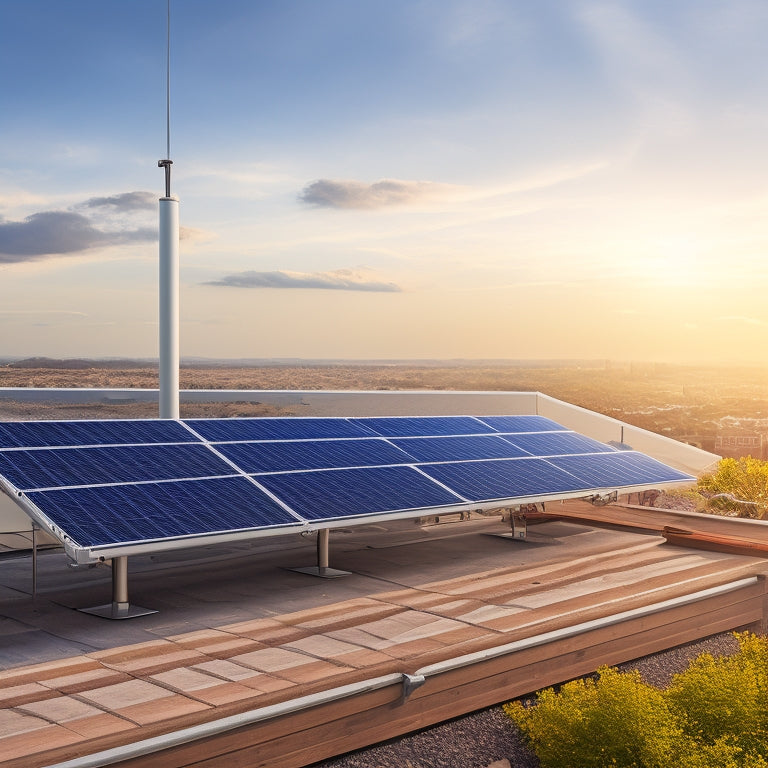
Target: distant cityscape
720,409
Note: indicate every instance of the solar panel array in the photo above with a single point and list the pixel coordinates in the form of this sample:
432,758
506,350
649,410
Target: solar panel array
102,484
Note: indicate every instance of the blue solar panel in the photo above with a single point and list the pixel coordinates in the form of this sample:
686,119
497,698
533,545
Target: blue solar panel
50,468
139,513
557,443
521,423
502,479
103,482
343,493
423,426
458,448
274,428
324,454
618,469
50,434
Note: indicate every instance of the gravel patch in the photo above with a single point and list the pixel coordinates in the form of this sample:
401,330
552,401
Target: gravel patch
473,741
488,736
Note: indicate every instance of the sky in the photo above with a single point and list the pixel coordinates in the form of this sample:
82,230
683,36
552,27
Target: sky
410,179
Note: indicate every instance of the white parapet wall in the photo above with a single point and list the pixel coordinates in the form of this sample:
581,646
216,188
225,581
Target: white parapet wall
682,456
686,458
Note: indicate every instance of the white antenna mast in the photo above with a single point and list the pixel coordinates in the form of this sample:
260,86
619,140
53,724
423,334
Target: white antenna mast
168,85
169,267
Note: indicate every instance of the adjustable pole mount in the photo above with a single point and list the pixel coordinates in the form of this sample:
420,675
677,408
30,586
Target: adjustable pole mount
120,607
322,568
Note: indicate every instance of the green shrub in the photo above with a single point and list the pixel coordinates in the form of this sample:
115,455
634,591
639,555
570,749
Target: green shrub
714,715
726,698
745,479
615,720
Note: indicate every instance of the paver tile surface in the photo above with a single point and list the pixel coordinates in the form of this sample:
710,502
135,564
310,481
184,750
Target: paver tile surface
60,709
13,723
121,695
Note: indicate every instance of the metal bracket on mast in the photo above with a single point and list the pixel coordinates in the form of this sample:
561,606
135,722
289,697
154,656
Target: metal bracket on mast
167,165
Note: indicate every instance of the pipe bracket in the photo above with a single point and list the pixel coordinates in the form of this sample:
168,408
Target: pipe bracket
410,684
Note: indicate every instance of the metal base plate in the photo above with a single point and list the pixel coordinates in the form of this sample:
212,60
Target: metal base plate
118,611
323,573
511,536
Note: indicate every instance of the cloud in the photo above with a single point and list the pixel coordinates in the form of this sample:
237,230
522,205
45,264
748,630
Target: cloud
744,320
192,235
56,312
127,201
328,193
336,280
52,233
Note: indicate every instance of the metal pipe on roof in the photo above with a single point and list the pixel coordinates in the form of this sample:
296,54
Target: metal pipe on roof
559,634
205,730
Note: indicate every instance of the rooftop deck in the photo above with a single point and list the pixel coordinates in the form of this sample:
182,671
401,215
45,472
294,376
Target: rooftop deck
275,668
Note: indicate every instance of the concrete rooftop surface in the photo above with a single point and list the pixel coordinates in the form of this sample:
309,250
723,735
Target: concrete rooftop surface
237,631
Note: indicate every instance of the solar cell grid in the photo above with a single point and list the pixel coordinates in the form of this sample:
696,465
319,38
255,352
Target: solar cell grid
60,467
50,434
618,469
334,494
325,454
104,483
459,448
557,443
521,424
104,515
274,428
423,426
481,481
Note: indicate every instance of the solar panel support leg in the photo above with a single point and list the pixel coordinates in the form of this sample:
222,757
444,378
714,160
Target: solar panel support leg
120,607
519,524
120,582
323,559
34,561
323,548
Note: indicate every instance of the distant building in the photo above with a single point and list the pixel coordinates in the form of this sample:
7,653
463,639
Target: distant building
734,445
